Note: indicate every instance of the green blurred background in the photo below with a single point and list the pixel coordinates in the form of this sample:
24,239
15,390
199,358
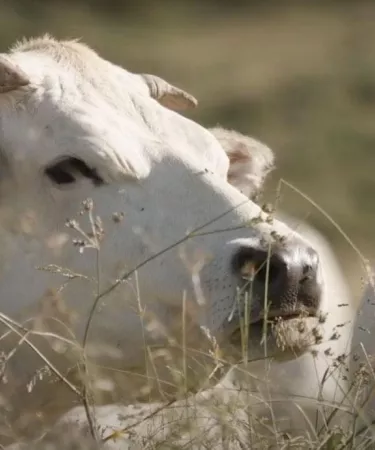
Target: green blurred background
299,75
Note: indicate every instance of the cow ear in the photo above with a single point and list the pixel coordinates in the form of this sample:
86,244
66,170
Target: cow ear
11,76
250,161
168,95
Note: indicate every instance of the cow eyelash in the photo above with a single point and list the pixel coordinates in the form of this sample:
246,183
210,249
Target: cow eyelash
67,170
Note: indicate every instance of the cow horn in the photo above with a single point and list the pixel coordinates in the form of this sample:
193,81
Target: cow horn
167,94
11,76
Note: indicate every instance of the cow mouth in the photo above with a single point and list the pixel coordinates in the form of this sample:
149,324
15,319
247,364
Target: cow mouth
273,317
270,320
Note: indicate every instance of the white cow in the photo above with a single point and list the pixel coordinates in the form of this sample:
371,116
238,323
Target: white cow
204,418
164,201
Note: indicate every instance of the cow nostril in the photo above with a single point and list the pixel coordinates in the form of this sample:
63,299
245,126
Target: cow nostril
258,265
269,271
310,266
308,273
306,269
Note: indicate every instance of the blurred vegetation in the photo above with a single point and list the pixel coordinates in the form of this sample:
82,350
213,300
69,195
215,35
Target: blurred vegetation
300,75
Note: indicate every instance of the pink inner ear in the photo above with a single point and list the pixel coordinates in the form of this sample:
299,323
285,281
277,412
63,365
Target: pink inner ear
240,163
249,160
239,156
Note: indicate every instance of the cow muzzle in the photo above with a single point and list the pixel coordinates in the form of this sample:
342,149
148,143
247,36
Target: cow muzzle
279,286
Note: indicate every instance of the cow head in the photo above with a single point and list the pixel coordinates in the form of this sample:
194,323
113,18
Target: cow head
167,236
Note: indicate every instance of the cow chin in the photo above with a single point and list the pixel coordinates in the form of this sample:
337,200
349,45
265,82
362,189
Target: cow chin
282,339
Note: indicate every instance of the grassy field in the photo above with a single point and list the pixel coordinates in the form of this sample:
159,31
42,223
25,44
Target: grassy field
301,78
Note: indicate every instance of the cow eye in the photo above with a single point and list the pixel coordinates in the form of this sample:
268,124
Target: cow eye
69,169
